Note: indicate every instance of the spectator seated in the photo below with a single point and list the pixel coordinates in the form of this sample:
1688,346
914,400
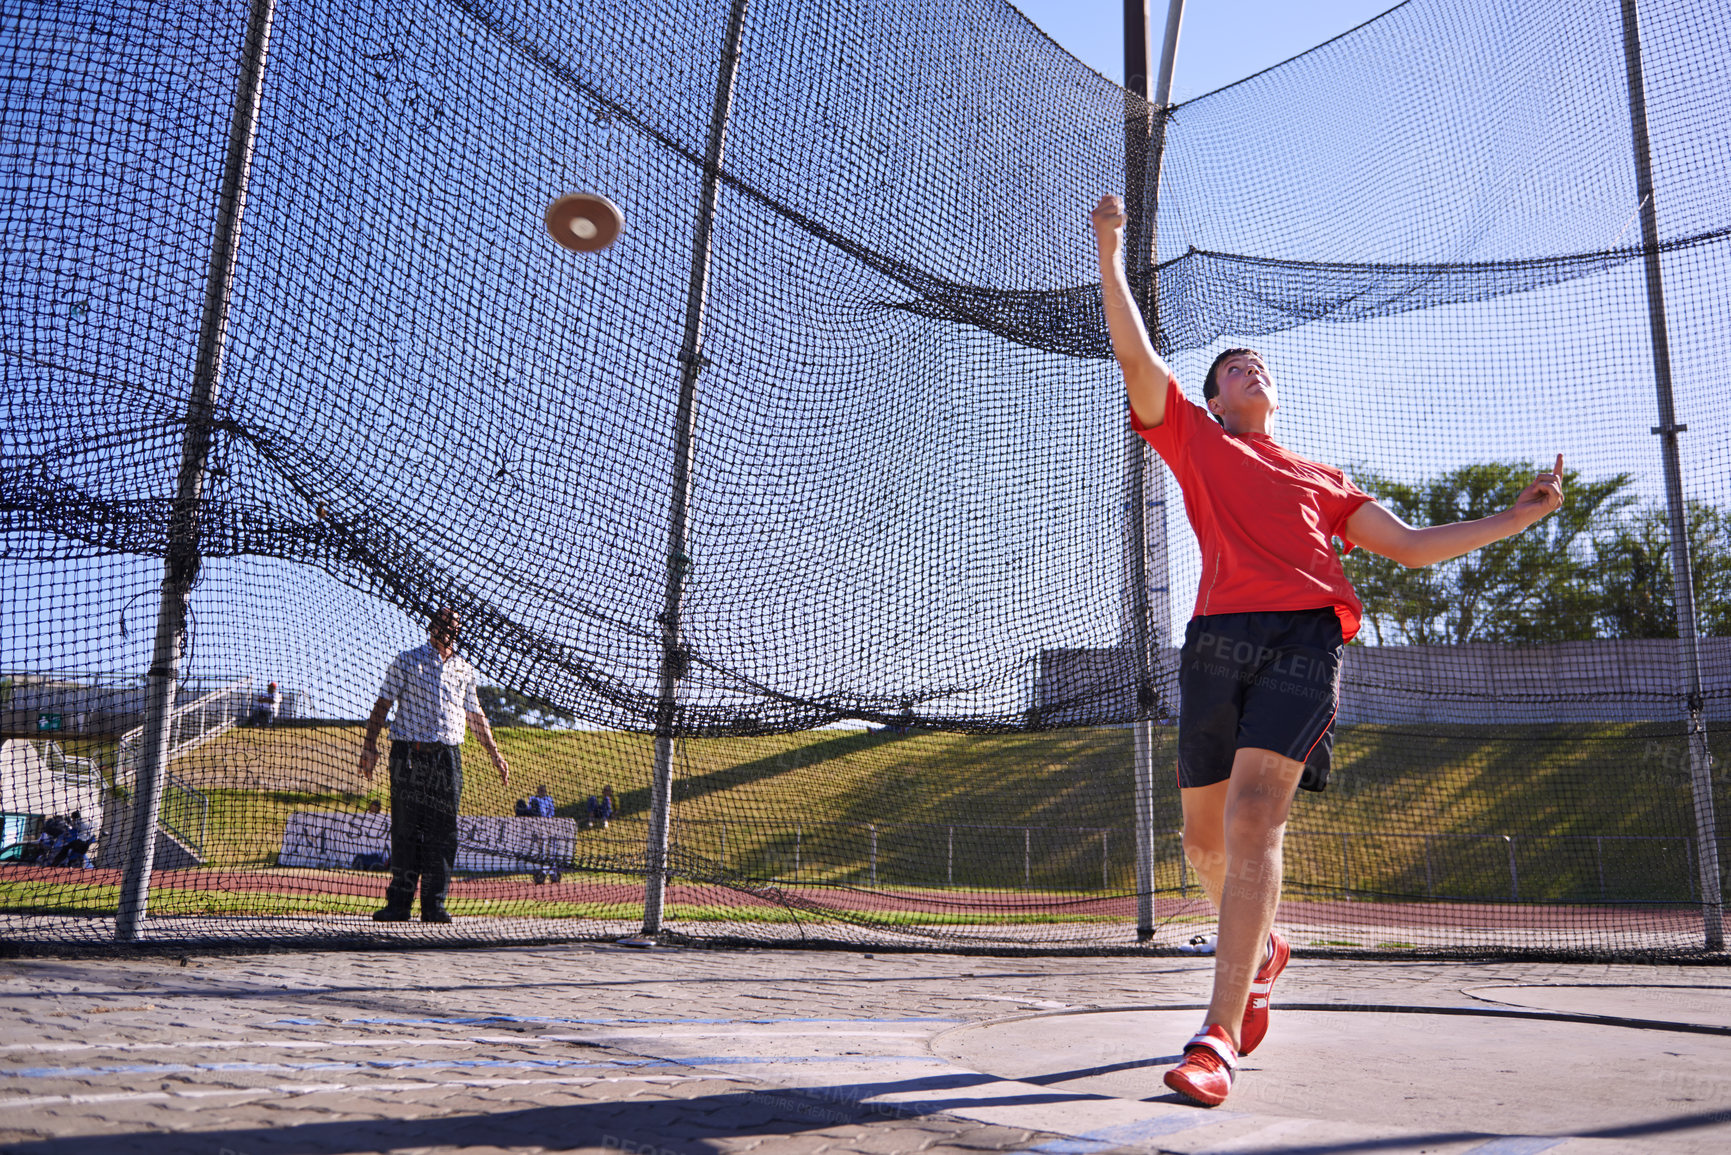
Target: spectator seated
601,809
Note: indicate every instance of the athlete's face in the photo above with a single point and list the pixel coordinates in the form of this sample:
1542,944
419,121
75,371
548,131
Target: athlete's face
1246,388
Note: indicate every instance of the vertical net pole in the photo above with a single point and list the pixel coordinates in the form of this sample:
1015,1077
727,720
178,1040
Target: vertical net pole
691,363
181,552
1706,826
1148,601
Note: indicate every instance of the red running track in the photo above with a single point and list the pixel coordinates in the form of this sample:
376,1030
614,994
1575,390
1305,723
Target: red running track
295,882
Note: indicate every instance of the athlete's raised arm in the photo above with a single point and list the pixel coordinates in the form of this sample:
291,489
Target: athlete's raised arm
1145,373
1377,529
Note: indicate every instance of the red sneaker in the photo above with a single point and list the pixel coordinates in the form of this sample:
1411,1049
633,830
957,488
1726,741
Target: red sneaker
1255,1024
1208,1068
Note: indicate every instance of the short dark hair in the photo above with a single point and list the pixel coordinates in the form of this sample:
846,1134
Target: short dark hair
444,623
1210,386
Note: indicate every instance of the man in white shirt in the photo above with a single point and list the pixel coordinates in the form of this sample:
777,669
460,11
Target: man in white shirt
265,705
436,695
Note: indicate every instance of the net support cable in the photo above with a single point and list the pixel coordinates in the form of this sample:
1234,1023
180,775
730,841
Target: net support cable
182,553
1145,118
691,362
1700,762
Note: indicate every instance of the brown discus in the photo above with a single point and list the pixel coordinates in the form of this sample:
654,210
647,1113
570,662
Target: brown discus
584,222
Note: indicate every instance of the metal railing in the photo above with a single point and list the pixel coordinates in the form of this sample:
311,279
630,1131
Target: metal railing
1489,867
185,810
780,851
1533,868
69,769
185,814
194,722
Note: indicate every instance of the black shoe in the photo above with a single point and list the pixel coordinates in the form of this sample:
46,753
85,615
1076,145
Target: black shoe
434,914
553,877
389,913
540,877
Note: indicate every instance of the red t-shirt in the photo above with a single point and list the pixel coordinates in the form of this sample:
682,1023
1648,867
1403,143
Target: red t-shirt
1263,515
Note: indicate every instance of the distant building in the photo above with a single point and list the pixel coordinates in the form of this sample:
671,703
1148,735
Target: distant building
1480,682
110,705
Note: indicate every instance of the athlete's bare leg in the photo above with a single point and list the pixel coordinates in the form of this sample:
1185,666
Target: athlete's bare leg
1258,798
1205,834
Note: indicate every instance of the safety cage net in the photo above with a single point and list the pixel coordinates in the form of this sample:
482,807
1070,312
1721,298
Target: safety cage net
799,539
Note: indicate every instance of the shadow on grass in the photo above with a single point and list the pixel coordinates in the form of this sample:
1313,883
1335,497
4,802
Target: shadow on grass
691,787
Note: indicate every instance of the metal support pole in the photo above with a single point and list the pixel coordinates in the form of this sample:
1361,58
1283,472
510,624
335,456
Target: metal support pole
1599,861
181,554
1700,761
691,363
1147,603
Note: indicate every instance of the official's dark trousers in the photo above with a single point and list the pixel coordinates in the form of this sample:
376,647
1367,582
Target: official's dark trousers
426,784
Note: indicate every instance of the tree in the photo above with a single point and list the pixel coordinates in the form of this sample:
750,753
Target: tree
506,707
1537,586
1634,576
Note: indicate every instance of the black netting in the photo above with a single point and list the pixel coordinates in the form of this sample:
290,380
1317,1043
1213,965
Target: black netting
906,694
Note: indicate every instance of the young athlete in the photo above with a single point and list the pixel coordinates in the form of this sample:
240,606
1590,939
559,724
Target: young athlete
1259,670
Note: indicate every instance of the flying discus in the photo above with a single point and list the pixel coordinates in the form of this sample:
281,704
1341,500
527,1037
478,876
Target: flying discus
584,222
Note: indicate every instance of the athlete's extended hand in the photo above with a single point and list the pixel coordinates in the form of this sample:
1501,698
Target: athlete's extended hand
1543,497
1108,221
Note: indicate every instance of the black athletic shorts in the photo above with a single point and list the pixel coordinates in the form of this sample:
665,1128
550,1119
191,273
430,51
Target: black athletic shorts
1268,681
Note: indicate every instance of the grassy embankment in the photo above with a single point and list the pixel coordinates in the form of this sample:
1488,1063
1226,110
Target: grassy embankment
1042,811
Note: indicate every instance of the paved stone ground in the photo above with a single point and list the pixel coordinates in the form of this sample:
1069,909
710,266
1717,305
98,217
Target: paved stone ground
606,1048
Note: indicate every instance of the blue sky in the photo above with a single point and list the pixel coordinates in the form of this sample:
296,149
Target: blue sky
1222,40
463,374
263,618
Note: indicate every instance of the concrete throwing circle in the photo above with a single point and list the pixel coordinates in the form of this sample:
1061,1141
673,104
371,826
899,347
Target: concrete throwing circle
1705,1005
1458,1070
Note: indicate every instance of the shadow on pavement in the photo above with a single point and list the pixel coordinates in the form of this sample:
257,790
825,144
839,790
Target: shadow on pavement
678,1125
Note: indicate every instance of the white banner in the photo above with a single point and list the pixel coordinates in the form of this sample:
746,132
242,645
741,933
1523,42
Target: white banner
484,844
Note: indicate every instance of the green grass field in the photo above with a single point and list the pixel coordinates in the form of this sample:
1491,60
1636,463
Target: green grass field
1594,813
42,897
